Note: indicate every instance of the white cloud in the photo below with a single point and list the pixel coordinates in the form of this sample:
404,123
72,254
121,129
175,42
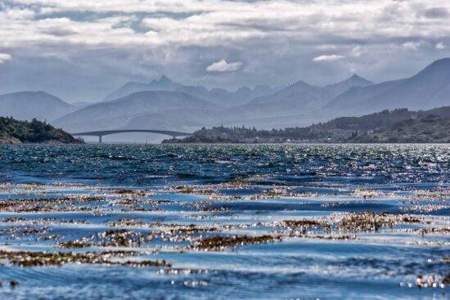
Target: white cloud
357,51
4,57
411,45
223,66
440,46
324,58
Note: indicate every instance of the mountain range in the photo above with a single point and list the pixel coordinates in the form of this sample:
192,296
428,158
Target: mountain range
298,98
165,104
427,89
146,110
220,97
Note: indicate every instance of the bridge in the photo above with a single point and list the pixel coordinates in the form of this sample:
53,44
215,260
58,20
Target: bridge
101,133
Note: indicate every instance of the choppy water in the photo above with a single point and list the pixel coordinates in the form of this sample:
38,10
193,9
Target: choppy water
294,220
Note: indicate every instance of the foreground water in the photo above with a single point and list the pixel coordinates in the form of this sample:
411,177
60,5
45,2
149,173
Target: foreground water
225,222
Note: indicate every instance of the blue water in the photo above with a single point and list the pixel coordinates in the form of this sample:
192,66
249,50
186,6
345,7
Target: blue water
152,191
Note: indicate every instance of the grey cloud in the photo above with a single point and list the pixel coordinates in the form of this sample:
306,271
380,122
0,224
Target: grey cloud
436,13
60,32
98,47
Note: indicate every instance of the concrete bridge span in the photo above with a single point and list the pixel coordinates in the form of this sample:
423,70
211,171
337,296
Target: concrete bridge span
101,133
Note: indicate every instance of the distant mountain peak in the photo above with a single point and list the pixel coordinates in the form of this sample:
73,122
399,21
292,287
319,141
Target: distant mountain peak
357,79
353,81
164,79
301,83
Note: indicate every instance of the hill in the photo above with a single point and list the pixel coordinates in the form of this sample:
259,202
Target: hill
28,105
132,109
427,89
15,132
397,126
297,101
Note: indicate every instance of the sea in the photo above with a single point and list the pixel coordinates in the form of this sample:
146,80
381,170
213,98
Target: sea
224,221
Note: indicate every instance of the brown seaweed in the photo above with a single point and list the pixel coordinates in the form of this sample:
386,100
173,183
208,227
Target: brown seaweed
223,242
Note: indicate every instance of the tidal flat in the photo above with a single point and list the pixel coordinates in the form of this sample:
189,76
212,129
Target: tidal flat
225,222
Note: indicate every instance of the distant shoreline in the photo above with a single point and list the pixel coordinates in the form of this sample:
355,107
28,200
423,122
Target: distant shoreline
391,127
57,144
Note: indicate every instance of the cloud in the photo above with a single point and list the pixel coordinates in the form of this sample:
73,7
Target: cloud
436,13
223,66
440,46
325,58
219,22
4,57
412,45
119,40
357,51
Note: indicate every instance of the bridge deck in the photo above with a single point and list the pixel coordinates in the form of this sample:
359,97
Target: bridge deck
101,133
108,132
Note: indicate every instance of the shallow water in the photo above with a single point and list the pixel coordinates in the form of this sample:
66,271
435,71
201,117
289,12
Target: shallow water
297,222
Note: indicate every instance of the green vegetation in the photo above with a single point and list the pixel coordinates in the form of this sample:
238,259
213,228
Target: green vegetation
15,132
397,126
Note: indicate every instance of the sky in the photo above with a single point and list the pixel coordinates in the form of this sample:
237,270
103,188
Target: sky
80,50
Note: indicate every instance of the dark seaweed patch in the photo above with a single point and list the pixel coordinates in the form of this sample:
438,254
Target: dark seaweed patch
223,242
37,259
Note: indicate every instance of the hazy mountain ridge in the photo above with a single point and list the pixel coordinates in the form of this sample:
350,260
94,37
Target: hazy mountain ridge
217,96
121,111
30,104
300,99
427,89
163,84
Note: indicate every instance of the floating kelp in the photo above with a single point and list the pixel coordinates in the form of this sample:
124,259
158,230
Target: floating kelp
120,238
38,259
365,222
190,229
194,190
74,244
69,203
218,243
303,223
126,222
128,192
